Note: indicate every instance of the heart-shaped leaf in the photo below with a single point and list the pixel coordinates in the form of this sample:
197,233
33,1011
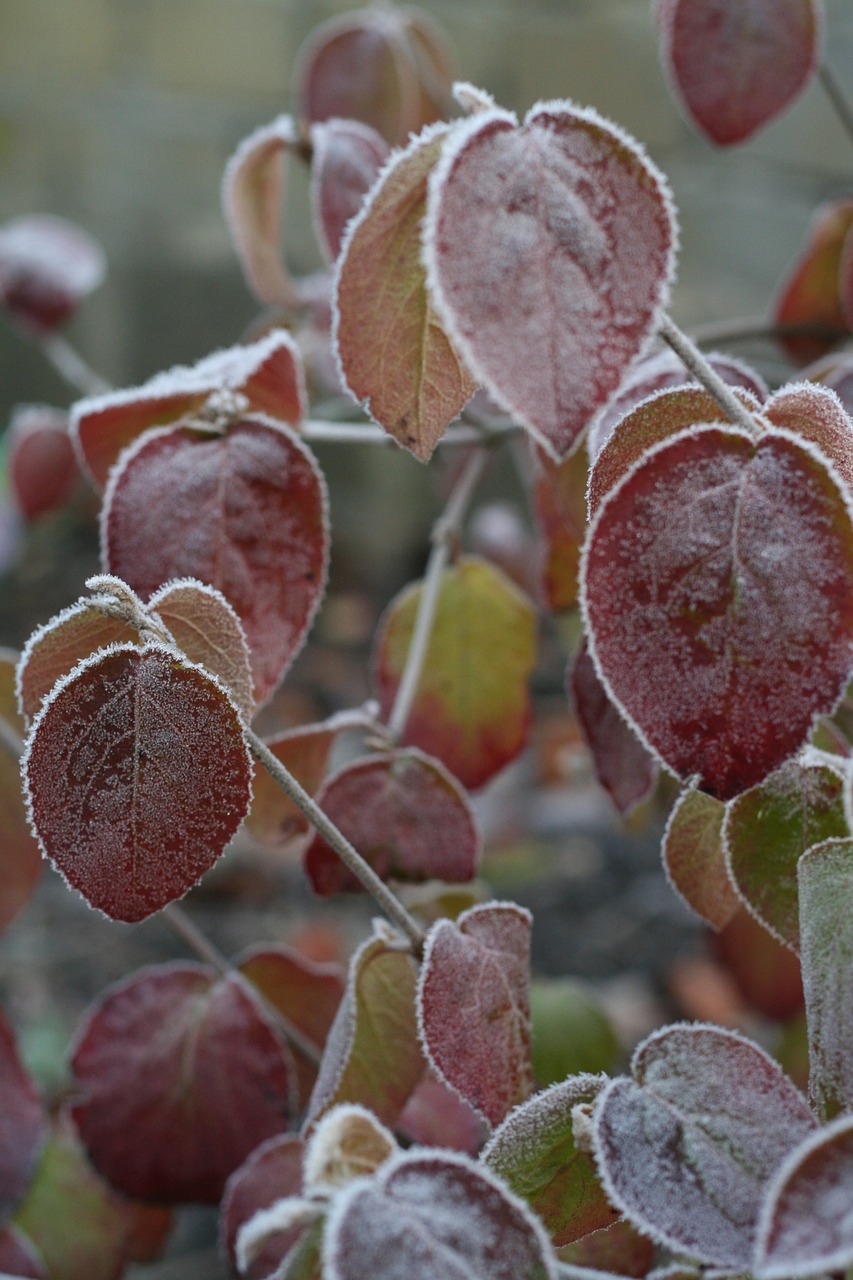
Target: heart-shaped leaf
47,266
718,603
42,469
244,511
535,1152
768,829
271,1172
181,1075
735,64
345,162
549,249
472,715
816,414
268,373
430,1214
22,1123
394,352
685,1148
137,777
810,294
694,857
407,817
474,1006
806,1227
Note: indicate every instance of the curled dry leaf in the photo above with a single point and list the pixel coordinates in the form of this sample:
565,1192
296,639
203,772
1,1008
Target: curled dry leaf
47,266
549,249
137,776
736,64
347,1143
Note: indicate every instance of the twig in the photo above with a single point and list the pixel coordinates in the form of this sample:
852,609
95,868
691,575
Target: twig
319,432
837,96
693,359
761,329
443,532
350,856
71,366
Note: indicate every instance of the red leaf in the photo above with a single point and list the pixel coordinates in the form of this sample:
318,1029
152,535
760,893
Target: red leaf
19,1256
435,1116
811,291
268,373
42,468
474,1006
181,1076
623,766
347,156
718,602
137,776
272,1171
736,64
816,414
47,266
244,511
22,1123
405,814
686,1147
425,1215
549,249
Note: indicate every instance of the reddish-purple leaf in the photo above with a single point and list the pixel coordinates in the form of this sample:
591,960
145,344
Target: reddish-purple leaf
768,828
47,266
474,1006
694,857
619,1250
395,354
137,776
559,496
717,597
549,249
386,67
473,715
42,468
22,1123
425,1215
272,1171
206,628
623,766
810,294
806,1225
825,880
816,414
407,817
180,1075
244,511
735,64
686,1147
345,162
19,1256
435,1116
372,1055
305,991
536,1154
267,372
836,372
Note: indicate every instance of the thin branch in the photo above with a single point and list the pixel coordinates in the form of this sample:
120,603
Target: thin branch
693,360
319,432
762,329
10,739
71,366
444,530
350,856
837,95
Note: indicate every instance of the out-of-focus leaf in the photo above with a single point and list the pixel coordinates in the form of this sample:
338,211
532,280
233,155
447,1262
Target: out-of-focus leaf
571,1033
346,159
559,496
22,1123
694,857
271,1172
42,468
810,294
47,266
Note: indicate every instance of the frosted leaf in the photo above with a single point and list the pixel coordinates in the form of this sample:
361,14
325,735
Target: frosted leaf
826,941
22,1123
474,1006
286,1219
206,628
559,496
810,293
347,1143
807,1222
47,266
685,1148
395,355
425,1215
267,374
180,1075
717,600
372,1054
137,776
245,512
42,469
816,414
405,814
618,1249
346,160
694,857
664,371
549,249
736,64
473,715
623,766
768,829
272,1172
535,1153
